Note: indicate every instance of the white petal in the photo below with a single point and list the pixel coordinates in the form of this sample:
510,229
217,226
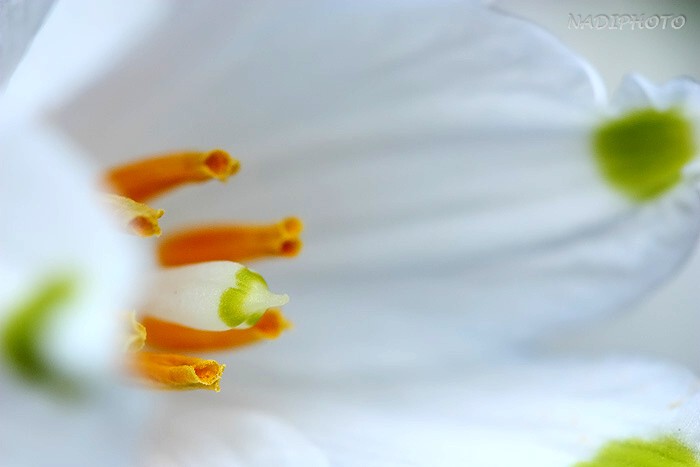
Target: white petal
438,152
297,72
636,91
546,414
54,227
19,22
61,51
37,430
227,438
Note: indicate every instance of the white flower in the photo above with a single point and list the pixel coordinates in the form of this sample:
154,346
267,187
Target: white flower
458,174
65,273
553,414
54,232
441,157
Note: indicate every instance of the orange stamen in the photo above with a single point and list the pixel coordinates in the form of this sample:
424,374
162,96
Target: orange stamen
171,336
231,243
136,337
145,179
137,218
169,371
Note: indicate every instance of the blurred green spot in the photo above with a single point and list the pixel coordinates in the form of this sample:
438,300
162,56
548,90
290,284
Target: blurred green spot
642,154
21,339
664,452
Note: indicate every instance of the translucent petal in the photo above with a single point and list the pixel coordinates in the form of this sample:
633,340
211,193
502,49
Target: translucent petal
112,29
53,226
438,153
550,414
636,91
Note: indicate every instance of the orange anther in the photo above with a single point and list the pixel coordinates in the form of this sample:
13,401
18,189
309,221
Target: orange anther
169,371
170,336
231,243
144,179
137,218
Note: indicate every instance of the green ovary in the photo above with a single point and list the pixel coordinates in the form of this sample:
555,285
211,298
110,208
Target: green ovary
21,339
664,452
642,154
234,310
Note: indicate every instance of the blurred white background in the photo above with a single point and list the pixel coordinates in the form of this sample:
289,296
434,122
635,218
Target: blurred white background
667,324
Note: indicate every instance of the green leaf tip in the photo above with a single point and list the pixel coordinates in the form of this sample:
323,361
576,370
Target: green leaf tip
642,154
663,452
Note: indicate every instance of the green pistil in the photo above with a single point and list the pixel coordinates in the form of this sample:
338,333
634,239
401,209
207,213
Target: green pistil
21,339
664,452
643,153
234,306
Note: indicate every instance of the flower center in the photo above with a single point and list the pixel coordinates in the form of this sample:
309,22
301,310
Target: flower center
664,452
642,154
208,301
201,300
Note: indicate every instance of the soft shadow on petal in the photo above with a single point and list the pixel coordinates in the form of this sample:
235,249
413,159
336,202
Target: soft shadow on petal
37,430
194,436
553,413
19,22
438,153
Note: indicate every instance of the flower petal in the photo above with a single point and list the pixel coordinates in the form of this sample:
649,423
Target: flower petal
636,91
19,22
67,278
439,154
112,29
54,229
431,56
227,438
549,414
101,430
